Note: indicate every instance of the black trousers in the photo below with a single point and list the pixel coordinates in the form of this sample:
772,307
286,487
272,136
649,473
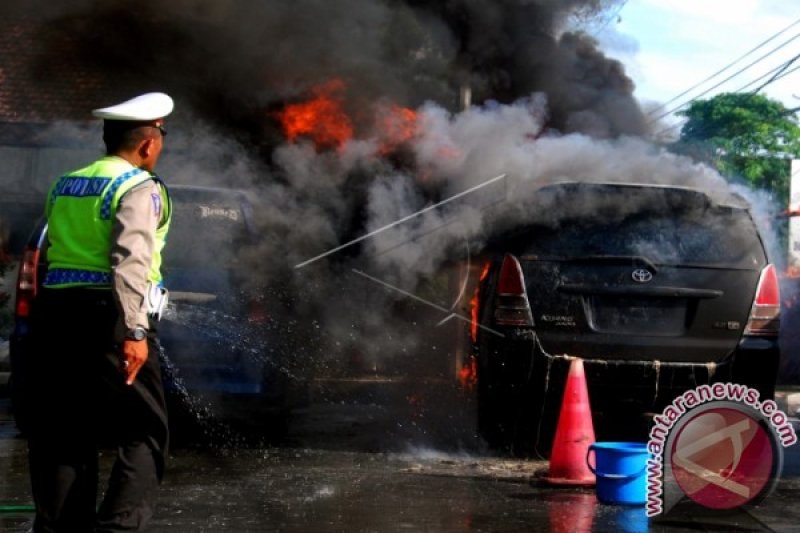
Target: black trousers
76,402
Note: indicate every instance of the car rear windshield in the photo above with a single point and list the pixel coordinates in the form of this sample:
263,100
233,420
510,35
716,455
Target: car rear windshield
206,229
696,233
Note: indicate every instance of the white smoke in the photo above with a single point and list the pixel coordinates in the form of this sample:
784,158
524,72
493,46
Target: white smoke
462,150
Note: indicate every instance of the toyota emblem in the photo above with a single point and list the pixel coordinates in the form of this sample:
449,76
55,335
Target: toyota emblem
642,275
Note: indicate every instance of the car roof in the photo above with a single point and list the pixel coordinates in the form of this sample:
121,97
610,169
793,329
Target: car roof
205,192
564,203
681,193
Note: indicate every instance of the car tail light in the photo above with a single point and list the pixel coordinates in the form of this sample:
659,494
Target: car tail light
512,307
765,315
26,282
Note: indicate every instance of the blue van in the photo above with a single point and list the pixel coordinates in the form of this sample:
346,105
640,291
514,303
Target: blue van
217,359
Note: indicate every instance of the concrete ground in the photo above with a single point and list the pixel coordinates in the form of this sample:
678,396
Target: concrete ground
362,468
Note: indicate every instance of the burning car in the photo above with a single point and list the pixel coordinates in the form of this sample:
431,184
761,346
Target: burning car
657,288
217,360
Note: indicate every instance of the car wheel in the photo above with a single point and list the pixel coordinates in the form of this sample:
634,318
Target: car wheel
760,374
510,395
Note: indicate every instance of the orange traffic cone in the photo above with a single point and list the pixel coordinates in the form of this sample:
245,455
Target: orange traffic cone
574,432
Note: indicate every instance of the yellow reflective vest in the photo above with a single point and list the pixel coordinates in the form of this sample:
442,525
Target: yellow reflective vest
81,207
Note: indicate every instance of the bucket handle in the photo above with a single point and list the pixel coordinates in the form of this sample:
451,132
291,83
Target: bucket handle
610,476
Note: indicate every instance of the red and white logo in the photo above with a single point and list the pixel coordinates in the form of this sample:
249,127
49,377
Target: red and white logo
723,457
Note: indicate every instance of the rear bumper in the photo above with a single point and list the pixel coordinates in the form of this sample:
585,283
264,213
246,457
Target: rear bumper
754,363
650,384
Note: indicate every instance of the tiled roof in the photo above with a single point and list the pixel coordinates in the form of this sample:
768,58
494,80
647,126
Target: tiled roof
39,79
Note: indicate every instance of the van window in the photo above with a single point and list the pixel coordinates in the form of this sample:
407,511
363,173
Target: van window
205,230
723,237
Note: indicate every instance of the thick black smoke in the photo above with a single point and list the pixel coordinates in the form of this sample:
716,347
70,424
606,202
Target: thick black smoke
547,105
231,60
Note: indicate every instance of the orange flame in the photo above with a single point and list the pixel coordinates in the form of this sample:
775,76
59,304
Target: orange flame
468,375
322,118
474,304
396,125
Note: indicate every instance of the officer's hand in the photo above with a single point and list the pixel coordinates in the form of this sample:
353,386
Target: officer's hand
134,355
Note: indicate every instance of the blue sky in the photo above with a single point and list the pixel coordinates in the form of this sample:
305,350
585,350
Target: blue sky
668,46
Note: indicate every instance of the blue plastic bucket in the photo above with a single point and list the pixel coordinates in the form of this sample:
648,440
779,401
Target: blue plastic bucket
621,471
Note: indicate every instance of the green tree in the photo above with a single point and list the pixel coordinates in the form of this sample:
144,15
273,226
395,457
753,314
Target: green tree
744,135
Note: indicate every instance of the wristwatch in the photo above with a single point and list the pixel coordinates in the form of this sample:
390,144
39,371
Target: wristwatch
137,334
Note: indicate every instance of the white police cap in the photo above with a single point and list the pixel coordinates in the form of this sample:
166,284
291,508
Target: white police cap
150,106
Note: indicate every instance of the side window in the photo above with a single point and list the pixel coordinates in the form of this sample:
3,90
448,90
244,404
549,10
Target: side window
205,231
721,236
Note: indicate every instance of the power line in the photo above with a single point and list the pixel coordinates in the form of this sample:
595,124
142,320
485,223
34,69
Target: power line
612,17
729,65
773,72
777,73
782,45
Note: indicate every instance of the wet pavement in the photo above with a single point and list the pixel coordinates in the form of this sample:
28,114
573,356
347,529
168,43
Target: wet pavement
348,467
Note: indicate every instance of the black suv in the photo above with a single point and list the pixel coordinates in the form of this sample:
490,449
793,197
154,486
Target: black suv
658,289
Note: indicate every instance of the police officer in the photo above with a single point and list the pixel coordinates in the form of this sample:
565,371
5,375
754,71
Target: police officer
93,371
